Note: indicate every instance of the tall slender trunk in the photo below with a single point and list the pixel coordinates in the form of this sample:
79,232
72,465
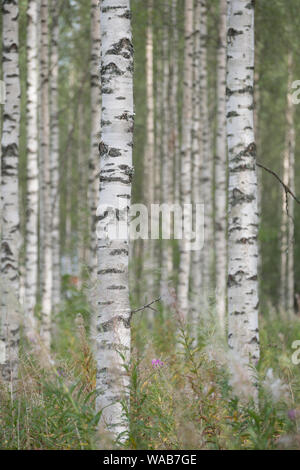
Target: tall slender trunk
150,143
46,183
82,194
206,179
93,183
32,199
174,104
287,223
10,237
166,161
116,172
220,174
158,158
93,186
196,272
243,336
54,155
186,158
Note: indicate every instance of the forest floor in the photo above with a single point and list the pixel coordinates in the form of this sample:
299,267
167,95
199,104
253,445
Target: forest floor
182,396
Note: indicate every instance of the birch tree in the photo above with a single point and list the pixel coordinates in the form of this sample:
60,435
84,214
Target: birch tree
54,153
32,197
174,103
10,236
243,335
166,263
150,141
196,267
287,222
93,190
46,182
206,178
186,153
116,173
220,172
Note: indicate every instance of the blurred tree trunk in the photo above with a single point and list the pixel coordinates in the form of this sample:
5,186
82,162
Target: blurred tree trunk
157,161
82,194
174,103
221,172
243,336
32,200
206,180
46,181
196,272
93,186
186,159
150,142
10,237
54,155
166,188
287,223
116,172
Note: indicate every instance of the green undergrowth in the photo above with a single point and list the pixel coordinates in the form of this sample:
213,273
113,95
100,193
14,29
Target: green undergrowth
185,394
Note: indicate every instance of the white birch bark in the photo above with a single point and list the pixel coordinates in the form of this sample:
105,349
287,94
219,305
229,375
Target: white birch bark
287,222
150,142
196,271
174,103
116,173
10,236
54,154
31,261
186,157
206,179
46,182
243,335
221,172
93,186
166,188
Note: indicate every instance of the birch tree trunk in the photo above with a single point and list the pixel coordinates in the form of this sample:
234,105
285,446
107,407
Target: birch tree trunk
10,238
93,186
243,335
220,173
150,142
54,155
186,157
116,173
206,179
46,183
174,103
287,223
31,262
196,271
166,160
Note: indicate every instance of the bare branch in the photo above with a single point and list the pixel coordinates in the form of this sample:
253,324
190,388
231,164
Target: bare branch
146,306
285,187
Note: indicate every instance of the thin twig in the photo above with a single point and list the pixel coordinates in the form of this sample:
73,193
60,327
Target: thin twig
286,188
146,306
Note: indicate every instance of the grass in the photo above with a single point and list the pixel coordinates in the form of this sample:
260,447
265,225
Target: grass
188,400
